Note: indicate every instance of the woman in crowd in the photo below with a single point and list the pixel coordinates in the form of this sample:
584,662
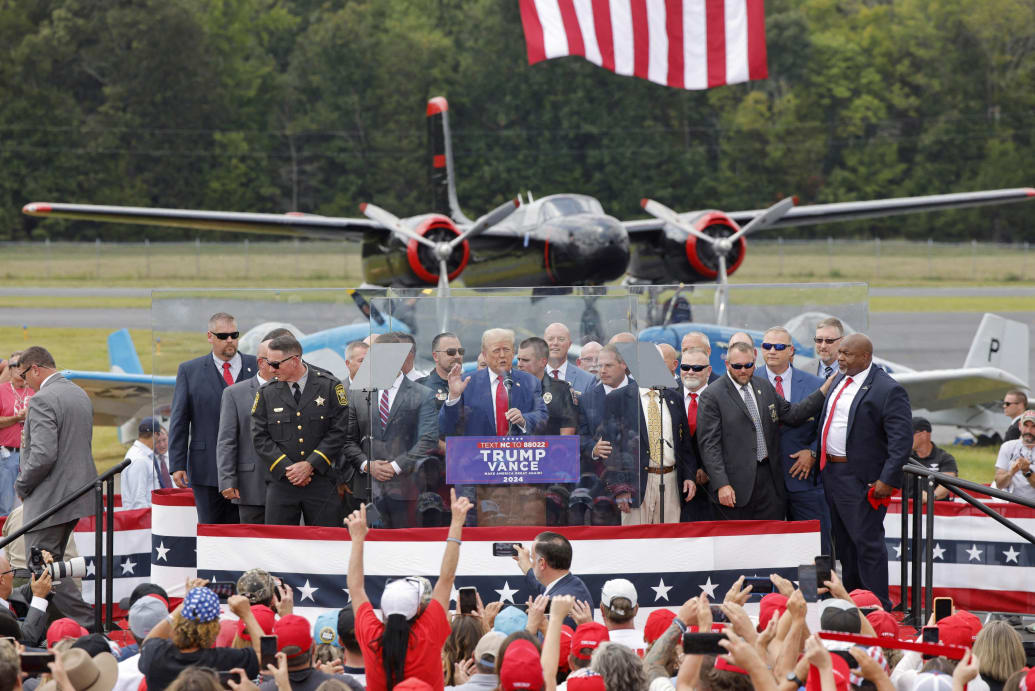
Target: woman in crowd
1001,653
460,645
409,642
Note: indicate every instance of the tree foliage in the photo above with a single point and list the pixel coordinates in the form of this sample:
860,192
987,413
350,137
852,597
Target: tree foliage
299,105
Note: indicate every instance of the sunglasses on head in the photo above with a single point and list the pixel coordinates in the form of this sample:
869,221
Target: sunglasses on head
747,365
275,364
223,335
692,368
451,352
828,341
776,346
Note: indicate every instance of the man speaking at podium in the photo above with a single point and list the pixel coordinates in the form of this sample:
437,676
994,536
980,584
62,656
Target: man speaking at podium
497,400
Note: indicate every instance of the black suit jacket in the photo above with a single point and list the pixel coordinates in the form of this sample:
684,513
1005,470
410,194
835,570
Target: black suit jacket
1013,431
726,433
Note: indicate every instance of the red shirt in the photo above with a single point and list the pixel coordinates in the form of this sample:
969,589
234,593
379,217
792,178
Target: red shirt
13,401
424,655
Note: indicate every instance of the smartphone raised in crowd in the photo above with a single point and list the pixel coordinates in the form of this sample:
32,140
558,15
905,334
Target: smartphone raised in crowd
505,549
824,567
36,663
268,652
225,677
222,590
467,599
759,584
930,634
703,643
942,608
807,582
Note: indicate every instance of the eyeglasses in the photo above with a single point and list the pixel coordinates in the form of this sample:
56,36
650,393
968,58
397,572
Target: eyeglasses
694,368
748,365
223,335
828,341
451,352
1006,404
278,363
776,346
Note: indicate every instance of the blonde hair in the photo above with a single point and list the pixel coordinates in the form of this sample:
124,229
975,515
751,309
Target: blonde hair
1000,650
191,634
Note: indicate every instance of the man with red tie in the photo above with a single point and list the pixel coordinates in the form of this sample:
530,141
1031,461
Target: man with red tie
866,437
695,372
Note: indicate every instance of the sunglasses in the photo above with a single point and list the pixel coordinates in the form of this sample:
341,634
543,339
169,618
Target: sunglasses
776,346
223,335
828,341
276,364
692,368
748,365
24,371
1009,403
451,352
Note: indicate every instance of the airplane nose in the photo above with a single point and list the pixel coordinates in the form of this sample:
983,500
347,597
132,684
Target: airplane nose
586,248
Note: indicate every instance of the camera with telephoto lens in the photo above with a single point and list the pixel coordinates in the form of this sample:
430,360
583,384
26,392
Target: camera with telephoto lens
73,568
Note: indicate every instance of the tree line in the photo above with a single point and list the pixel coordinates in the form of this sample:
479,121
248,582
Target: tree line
318,105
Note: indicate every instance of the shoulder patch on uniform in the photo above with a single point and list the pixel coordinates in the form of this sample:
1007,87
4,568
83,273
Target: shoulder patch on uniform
342,398
255,403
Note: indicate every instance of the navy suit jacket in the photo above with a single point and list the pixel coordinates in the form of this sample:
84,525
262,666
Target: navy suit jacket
880,428
474,409
794,439
580,380
194,421
569,584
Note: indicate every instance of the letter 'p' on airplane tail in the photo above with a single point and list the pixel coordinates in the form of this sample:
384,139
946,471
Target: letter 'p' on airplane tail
1001,343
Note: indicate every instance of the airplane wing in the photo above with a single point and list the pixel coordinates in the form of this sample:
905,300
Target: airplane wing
945,389
118,397
851,211
292,225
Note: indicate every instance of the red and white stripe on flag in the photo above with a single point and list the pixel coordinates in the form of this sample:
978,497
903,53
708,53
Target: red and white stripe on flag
686,44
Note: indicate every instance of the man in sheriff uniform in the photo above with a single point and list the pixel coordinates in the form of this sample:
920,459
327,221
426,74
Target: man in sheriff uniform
304,432
557,394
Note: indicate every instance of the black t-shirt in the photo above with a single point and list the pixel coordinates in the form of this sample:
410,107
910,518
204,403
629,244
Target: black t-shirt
161,661
559,405
939,460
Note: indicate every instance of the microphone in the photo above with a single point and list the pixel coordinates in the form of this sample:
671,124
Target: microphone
507,381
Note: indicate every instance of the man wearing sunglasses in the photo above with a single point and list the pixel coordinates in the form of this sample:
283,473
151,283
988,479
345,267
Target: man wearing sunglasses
1015,402
447,353
805,498
829,333
738,424
695,373
302,425
194,421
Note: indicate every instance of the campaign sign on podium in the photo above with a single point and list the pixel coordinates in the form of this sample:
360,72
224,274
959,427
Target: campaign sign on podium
506,460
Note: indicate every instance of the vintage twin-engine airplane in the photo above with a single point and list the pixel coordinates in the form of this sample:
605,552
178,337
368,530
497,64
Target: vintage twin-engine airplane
557,240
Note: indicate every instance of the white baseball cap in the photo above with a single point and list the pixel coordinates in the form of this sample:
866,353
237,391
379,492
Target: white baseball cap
618,587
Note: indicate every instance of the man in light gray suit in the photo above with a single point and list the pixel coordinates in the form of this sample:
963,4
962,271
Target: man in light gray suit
397,442
56,461
241,476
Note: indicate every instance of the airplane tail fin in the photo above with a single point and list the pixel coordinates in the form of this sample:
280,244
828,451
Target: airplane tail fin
443,184
1001,343
122,356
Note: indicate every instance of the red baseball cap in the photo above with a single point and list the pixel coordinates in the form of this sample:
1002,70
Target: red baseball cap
657,624
227,631
566,634
588,635
521,668
1028,682
954,630
266,618
970,620
64,628
723,666
414,684
586,682
771,604
293,631
883,623
841,674
865,599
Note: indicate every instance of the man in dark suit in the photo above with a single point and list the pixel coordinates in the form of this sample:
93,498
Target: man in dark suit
242,478
594,444
497,400
194,421
699,339
738,423
696,374
805,498
866,437
562,415
302,425
400,438
547,569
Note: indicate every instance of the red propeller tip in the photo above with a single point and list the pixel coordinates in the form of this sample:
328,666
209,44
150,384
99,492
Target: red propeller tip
363,208
437,105
1030,191
35,209
643,202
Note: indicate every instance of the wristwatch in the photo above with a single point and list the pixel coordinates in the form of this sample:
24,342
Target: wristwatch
791,676
1026,473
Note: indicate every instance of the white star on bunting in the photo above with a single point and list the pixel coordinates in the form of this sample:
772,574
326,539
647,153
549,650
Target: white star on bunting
307,592
163,551
661,590
708,587
938,552
1011,555
506,593
974,554
128,566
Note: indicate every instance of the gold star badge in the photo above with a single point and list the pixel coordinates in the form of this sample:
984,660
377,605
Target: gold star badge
320,400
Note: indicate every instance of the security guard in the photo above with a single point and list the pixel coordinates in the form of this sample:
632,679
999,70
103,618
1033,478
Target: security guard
304,433
557,395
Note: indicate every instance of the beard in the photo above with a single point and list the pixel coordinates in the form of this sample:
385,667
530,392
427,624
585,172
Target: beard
693,382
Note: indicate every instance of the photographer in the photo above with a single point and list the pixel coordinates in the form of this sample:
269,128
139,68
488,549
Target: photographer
33,629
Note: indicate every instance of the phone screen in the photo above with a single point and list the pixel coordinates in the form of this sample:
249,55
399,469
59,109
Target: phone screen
942,608
225,677
36,663
759,584
703,643
807,582
930,634
504,549
467,600
268,648
824,565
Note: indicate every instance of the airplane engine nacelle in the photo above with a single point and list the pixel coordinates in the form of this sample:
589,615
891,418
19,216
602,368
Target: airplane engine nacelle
678,257
422,260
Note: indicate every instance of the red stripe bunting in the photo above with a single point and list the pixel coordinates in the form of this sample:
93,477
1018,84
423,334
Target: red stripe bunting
641,38
534,41
674,30
715,13
576,46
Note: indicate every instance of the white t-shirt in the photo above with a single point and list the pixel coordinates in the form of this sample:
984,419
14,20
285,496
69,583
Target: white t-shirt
630,638
1009,452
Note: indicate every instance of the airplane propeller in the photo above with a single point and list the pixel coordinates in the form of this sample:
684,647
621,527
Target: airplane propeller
722,246
442,250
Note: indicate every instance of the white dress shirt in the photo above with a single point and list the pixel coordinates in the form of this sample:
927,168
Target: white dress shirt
785,381
668,454
608,389
139,478
740,390
561,371
837,434
235,365
44,382
686,397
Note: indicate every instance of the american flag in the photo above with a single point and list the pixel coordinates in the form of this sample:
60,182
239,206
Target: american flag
686,44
